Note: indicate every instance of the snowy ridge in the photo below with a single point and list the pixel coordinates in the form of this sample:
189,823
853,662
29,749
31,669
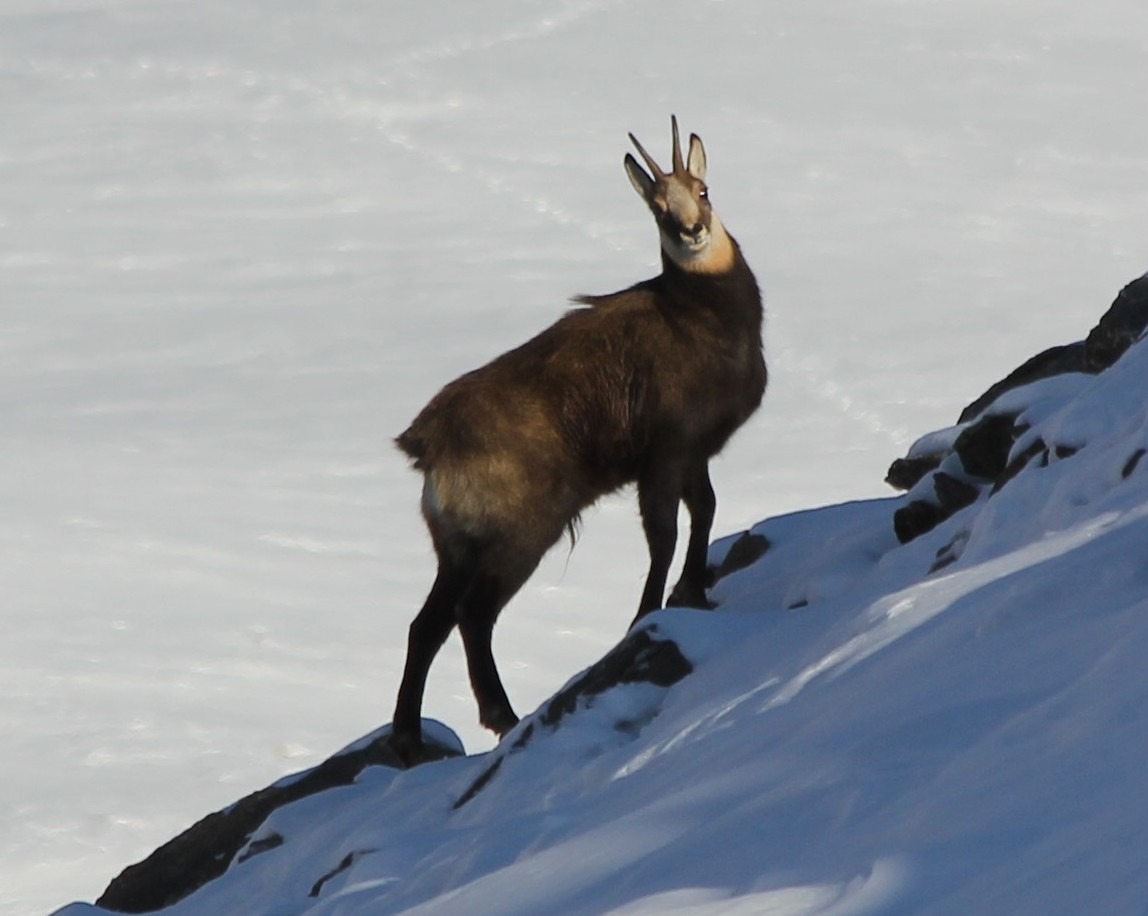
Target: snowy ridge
858,735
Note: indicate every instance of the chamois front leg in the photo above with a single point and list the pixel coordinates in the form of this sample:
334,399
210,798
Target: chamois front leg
658,495
701,503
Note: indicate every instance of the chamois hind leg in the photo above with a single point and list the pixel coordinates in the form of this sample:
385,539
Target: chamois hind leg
427,634
701,503
476,618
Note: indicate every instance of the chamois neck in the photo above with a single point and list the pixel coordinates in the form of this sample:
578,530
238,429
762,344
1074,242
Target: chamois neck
722,259
718,257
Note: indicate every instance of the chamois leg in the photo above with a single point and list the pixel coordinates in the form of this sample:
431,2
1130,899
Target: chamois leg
428,632
658,497
701,503
476,618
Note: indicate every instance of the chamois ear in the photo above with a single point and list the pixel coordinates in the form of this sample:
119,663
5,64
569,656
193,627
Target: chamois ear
696,163
642,182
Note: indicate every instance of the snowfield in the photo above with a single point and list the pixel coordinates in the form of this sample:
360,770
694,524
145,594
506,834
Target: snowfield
242,243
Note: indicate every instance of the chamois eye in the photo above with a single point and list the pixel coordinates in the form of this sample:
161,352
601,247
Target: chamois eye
704,192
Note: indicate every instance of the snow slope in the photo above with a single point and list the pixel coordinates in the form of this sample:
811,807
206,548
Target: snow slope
901,741
241,243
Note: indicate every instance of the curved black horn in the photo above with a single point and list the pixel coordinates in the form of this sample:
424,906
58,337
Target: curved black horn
650,163
679,166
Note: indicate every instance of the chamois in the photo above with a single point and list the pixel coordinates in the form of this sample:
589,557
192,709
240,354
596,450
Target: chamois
640,386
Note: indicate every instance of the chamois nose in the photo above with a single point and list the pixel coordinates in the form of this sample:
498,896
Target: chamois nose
695,230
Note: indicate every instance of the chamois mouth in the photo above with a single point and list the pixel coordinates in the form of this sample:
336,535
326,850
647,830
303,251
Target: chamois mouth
695,242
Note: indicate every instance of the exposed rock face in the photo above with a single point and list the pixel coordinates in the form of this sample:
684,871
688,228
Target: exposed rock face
207,849
943,482
984,446
1053,361
906,473
745,551
204,851
639,658
1120,327
1116,331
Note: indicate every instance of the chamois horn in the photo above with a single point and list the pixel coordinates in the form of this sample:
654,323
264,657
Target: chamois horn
653,166
679,166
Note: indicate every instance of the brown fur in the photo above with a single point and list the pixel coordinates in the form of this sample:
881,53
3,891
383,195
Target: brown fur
642,386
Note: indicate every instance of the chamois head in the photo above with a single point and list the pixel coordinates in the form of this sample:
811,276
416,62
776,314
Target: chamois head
692,235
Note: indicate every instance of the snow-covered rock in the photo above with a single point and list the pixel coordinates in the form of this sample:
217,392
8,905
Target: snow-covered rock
945,470
205,851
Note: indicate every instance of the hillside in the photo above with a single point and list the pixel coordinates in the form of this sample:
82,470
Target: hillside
242,242
953,724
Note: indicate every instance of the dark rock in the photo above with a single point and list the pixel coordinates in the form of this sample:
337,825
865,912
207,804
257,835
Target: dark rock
1120,327
744,552
953,494
1053,361
906,473
944,558
1018,464
915,518
483,779
919,516
344,865
261,845
1131,463
984,446
951,552
204,851
639,658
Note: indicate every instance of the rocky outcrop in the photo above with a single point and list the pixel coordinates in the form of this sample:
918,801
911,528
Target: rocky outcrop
641,657
978,458
1120,327
1053,361
206,850
224,839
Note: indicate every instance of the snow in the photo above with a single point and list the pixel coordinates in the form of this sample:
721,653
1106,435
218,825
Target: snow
242,243
906,741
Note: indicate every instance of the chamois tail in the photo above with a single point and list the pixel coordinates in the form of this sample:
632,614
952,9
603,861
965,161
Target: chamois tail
414,447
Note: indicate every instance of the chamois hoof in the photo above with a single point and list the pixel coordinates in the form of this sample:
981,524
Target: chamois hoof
412,750
500,721
692,596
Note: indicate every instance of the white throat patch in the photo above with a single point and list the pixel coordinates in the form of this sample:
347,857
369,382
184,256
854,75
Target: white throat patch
711,253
